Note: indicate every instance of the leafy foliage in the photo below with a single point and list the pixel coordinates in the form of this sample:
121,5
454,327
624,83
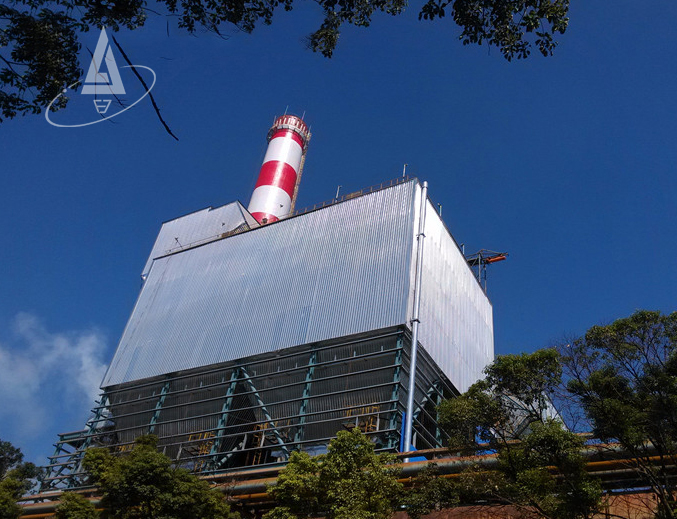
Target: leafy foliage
625,377
10,456
39,53
514,393
75,506
543,471
429,492
40,39
504,23
16,479
143,485
351,481
528,470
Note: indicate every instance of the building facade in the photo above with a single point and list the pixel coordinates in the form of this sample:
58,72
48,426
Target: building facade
250,341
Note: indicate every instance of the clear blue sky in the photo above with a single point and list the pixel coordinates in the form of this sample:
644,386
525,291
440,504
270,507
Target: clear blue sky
568,163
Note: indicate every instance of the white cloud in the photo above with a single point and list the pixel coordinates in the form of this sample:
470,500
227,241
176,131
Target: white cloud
47,379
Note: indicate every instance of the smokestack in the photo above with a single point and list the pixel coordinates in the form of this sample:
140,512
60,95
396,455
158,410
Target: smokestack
275,193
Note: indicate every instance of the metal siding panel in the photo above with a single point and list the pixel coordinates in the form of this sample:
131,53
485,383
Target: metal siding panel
195,227
329,273
456,315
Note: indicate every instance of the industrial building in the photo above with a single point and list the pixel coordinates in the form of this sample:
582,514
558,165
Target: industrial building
262,331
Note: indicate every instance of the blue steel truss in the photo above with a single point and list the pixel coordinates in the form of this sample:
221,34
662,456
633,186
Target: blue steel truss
256,411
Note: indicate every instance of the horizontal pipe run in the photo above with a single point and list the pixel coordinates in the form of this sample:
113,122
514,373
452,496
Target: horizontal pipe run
255,490
449,466
193,458
589,453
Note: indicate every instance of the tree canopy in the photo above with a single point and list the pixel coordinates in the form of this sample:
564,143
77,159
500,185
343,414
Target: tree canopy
620,379
429,492
16,479
351,481
624,376
144,485
75,506
511,403
40,39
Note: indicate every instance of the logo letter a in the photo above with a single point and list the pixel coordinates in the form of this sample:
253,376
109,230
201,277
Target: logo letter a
98,82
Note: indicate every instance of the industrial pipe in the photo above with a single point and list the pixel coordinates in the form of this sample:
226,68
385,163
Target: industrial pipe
409,417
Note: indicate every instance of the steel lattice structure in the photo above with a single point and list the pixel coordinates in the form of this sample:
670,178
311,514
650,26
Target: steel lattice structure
256,411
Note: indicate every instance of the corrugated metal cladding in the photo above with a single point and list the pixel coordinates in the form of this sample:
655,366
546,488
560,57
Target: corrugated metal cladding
341,270
197,227
456,318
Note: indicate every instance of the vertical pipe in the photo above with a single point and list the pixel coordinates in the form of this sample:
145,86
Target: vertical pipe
409,418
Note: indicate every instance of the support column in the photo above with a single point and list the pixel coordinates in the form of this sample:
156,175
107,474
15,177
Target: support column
433,393
306,397
225,410
393,442
438,431
265,412
92,425
428,395
158,408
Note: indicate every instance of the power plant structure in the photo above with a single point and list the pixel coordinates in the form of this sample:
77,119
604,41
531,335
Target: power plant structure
262,331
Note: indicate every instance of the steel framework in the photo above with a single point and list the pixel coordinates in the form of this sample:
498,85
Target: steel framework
256,411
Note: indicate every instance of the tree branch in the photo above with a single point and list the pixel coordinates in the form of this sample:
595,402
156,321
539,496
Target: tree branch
152,99
10,64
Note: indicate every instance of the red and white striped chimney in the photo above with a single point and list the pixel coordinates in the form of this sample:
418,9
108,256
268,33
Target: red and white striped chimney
275,192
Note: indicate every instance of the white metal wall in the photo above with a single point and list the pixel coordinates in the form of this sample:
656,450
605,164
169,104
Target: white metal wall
196,227
456,319
340,270
337,271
